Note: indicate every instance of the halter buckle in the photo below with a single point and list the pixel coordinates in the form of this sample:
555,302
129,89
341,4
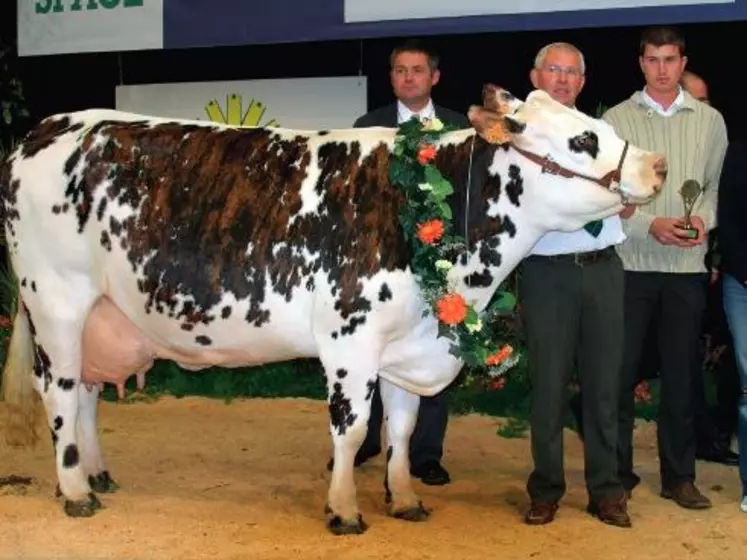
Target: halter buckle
549,165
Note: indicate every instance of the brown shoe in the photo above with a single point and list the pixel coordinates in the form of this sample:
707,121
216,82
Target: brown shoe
612,511
687,496
541,513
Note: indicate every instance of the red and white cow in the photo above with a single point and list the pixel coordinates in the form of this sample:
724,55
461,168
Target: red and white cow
135,238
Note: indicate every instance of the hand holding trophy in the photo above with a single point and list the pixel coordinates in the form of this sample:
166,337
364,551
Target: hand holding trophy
690,191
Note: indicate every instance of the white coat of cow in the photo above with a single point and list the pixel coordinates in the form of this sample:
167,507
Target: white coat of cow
135,238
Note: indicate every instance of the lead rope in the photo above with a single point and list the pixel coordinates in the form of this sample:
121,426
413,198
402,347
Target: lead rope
469,185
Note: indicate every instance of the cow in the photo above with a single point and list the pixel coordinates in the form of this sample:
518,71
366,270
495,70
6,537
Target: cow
136,238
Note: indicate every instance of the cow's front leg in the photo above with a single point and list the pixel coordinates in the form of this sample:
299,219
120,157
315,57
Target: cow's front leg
401,410
349,409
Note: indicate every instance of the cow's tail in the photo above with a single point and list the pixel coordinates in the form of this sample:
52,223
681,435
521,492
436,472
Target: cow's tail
22,402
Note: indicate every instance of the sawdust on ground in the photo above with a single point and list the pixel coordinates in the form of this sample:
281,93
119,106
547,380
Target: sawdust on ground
247,480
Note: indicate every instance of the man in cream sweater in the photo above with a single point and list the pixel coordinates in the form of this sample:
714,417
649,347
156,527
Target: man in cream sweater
665,274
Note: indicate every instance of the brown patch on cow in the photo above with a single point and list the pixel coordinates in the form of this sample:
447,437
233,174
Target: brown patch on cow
106,241
101,209
205,195
454,163
46,133
358,198
8,195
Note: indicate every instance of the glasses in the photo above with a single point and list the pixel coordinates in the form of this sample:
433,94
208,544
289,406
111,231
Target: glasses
555,69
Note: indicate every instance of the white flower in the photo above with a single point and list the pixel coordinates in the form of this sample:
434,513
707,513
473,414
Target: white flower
433,124
504,366
425,187
443,264
474,327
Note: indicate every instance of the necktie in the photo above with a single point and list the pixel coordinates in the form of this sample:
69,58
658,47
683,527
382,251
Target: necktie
594,228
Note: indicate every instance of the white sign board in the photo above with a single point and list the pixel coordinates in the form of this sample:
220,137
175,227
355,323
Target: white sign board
380,10
74,26
302,103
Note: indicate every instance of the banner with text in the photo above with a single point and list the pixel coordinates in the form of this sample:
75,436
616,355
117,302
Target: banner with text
301,103
366,10
67,26
75,26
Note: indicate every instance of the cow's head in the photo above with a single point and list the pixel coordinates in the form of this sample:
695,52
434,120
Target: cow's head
604,170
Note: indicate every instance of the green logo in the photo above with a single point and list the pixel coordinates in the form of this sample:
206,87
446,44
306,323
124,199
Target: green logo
234,113
57,6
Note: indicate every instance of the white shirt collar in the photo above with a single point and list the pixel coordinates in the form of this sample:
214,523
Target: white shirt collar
404,114
656,106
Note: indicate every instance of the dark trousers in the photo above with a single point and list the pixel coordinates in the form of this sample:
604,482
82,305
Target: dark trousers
427,441
675,302
712,424
720,420
573,320
728,390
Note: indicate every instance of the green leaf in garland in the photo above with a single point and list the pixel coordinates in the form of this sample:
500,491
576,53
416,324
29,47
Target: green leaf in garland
471,316
504,303
445,210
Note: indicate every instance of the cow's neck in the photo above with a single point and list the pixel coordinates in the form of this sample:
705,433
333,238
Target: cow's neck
502,232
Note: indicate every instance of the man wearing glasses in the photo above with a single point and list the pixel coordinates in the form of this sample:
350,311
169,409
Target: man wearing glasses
571,293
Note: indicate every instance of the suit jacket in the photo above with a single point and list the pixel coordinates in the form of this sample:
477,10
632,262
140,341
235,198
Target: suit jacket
387,116
732,212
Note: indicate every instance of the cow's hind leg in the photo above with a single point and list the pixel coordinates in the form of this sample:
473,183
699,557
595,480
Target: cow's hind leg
90,451
401,410
91,457
350,390
57,369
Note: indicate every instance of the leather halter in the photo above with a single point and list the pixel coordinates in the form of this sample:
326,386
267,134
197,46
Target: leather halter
550,166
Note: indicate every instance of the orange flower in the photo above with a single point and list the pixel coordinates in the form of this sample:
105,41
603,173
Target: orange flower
497,384
642,393
452,309
503,354
430,231
426,154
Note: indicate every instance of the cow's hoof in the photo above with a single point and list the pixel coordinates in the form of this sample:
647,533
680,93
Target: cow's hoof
338,526
82,508
414,513
103,483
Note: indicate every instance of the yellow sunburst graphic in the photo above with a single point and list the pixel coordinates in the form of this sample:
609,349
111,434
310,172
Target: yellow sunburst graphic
234,113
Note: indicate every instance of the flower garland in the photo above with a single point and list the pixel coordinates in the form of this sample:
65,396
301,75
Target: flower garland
426,219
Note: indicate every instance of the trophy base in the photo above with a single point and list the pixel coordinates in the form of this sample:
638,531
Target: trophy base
690,233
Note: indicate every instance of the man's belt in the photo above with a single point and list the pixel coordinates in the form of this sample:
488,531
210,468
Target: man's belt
580,259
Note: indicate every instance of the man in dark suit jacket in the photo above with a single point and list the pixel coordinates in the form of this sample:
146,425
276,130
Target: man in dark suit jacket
732,208
414,71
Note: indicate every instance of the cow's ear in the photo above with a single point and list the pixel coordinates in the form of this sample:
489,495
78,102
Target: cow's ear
499,100
491,126
490,98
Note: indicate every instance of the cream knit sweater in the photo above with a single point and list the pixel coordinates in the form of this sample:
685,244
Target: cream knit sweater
694,141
